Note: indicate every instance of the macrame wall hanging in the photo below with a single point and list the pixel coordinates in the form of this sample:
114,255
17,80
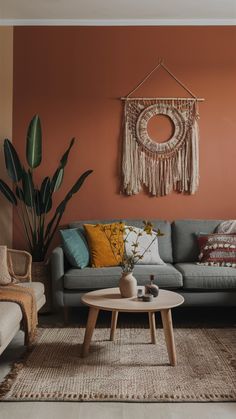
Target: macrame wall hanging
162,167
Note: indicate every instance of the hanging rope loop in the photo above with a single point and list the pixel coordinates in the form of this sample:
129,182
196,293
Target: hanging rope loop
168,71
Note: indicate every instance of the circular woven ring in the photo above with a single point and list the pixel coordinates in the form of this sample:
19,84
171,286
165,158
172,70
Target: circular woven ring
178,136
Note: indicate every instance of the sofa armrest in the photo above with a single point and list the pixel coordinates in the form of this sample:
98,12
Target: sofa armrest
57,274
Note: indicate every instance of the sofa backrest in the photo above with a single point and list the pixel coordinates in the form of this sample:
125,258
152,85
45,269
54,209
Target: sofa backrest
184,238
164,242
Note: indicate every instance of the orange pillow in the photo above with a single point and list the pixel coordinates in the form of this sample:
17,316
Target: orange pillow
106,243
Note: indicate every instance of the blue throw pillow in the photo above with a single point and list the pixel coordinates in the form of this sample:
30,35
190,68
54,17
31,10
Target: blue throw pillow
75,247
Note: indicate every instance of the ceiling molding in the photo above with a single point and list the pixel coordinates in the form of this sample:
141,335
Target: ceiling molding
117,22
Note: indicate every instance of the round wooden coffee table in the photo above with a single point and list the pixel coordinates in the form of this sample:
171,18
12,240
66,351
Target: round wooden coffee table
110,300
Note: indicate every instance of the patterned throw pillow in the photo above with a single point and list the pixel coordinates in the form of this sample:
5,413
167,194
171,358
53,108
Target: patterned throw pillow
217,250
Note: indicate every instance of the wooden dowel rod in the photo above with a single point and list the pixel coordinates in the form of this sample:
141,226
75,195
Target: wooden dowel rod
199,99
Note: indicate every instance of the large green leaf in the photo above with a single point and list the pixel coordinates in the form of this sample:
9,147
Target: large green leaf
62,206
19,194
76,187
58,213
59,173
28,189
48,206
45,193
34,143
64,158
57,179
12,162
7,192
38,203
45,189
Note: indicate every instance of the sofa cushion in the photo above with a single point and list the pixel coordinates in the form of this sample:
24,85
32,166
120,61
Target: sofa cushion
166,276
184,238
106,244
164,242
207,277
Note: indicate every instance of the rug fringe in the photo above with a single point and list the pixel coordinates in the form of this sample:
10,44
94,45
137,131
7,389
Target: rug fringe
16,367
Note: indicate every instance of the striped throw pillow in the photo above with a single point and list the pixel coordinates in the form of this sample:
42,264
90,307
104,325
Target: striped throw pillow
217,250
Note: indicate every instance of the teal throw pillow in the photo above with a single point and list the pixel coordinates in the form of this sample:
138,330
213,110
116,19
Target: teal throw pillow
75,247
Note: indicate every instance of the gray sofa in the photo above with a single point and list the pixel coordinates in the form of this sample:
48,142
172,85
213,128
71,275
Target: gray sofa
200,285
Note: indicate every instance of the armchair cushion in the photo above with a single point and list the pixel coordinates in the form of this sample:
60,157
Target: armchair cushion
10,317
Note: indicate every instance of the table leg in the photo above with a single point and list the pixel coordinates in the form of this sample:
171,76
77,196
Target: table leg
169,335
91,323
152,325
114,318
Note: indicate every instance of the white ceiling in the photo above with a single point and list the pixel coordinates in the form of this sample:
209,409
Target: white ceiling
118,11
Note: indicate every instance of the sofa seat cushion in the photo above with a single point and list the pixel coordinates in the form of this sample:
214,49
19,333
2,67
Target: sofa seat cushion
166,276
206,277
10,317
38,288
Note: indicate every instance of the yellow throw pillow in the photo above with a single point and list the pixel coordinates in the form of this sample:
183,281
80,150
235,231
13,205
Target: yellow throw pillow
106,243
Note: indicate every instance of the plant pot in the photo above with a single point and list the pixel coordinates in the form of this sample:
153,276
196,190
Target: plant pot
128,285
41,273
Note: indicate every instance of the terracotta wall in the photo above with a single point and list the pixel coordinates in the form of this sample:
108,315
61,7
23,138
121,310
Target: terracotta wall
73,76
6,97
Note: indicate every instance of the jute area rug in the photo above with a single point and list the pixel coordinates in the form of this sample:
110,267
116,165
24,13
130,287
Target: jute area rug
128,369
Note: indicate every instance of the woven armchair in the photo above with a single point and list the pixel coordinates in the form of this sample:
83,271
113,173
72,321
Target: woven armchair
19,264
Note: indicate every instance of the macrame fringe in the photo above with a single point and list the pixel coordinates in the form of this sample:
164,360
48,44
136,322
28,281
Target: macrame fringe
162,173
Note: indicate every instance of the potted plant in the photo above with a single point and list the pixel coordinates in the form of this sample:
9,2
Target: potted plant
118,237
33,202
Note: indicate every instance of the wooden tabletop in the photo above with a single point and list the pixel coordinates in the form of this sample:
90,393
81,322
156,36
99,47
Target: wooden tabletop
110,299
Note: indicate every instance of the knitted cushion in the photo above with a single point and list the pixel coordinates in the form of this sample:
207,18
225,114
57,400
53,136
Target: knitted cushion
5,277
217,249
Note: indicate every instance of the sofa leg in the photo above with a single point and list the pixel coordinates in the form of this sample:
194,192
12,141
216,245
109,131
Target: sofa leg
66,314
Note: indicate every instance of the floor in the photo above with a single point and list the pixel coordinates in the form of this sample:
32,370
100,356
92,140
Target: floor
111,410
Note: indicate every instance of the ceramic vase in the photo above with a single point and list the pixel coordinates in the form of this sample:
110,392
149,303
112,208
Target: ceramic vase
128,285
152,288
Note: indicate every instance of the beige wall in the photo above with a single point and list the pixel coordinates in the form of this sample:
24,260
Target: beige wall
6,89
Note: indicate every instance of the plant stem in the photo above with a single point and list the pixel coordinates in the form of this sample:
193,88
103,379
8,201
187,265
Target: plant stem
25,229
141,256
